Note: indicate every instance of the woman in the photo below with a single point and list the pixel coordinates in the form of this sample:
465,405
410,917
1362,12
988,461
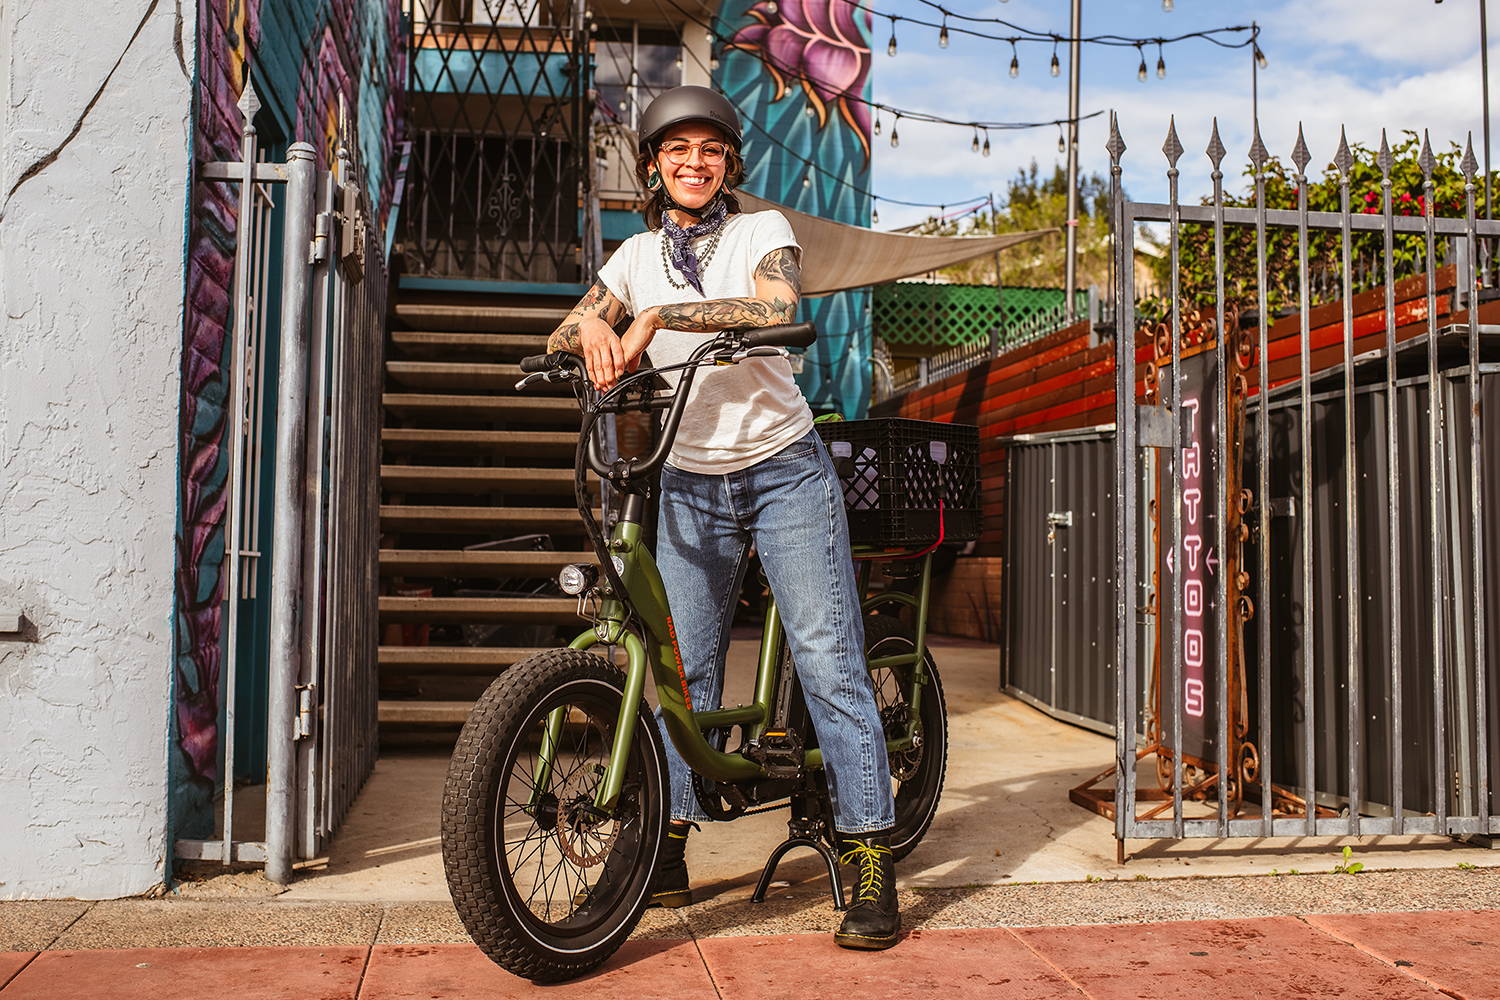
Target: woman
747,468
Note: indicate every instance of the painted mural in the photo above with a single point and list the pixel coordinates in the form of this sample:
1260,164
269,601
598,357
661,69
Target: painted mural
301,54
799,71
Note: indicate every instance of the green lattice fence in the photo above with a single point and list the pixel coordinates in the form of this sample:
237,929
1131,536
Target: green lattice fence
918,313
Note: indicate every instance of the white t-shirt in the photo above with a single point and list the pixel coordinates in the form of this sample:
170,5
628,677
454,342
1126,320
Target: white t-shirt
736,414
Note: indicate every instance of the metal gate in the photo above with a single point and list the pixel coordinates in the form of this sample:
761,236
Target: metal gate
498,117
1304,571
1058,652
321,393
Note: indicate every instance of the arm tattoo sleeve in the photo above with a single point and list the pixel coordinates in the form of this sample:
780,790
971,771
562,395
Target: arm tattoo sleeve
782,265
727,314
779,266
597,301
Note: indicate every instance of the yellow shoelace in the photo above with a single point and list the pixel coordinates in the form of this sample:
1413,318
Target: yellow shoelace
867,856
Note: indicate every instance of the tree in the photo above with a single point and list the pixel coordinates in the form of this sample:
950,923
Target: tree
1035,201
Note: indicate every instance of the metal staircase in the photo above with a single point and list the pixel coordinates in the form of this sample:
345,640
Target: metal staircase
477,512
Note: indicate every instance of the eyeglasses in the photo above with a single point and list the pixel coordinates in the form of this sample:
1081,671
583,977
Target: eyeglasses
678,151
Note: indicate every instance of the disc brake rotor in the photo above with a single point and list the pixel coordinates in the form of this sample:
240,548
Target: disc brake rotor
575,822
903,763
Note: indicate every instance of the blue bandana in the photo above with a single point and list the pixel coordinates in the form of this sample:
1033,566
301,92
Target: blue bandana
680,241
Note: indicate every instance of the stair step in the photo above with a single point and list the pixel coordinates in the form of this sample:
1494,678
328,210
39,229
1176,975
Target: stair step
527,444
457,610
443,562
511,520
463,376
523,409
454,659
508,319
450,344
424,713
469,479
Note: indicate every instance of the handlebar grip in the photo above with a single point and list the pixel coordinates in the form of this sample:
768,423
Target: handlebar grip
542,362
785,335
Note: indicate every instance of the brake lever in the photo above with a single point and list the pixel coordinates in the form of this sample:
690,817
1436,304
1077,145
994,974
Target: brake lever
555,375
531,379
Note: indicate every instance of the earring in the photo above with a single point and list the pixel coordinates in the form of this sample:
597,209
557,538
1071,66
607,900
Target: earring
653,180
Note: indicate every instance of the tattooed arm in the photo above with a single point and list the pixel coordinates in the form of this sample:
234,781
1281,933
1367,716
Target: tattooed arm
597,303
588,331
778,286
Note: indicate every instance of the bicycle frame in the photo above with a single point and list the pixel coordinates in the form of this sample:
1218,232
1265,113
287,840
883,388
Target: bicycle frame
640,622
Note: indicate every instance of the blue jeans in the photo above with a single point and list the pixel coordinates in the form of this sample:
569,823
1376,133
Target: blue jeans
790,507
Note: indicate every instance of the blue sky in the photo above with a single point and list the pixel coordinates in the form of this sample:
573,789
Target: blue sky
1360,63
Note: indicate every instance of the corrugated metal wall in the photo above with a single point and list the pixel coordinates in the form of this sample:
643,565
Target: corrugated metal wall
1059,633
1331,592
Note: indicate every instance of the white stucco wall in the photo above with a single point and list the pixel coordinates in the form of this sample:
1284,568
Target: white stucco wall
96,102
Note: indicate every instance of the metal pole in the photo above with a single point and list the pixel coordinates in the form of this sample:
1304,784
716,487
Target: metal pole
1071,234
289,491
1484,73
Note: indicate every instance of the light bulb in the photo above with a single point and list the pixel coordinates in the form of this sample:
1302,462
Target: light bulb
890,47
1056,66
1260,58
895,137
1161,67
986,149
943,37
772,6
1140,73
807,180
1015,67
1167,5
877,125
874,216
708,36
713,63
1062,145
809,110
974,146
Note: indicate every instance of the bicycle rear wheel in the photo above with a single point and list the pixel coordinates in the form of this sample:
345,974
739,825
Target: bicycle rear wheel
917,774
546,886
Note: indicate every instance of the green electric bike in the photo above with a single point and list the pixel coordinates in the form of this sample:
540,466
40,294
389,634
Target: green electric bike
556,797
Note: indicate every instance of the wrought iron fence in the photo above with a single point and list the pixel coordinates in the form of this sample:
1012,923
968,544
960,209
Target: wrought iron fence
321,392
498,118
1301,546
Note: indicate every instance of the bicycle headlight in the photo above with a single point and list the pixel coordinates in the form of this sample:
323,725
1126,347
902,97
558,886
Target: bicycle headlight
575,578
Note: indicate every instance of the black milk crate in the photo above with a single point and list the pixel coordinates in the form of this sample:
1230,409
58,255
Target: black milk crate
896,471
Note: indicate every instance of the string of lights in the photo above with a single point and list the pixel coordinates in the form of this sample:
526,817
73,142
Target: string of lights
812,167
714,37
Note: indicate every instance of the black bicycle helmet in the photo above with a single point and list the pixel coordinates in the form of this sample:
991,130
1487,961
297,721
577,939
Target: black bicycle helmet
689,104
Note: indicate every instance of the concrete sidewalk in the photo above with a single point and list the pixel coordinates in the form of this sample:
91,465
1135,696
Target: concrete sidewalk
1385,956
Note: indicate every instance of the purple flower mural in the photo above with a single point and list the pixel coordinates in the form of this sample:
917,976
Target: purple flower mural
818,46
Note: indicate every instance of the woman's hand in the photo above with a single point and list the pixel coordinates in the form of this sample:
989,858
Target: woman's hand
638,337
603,356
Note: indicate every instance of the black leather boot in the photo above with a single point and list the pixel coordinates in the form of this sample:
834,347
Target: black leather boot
873,920
670,887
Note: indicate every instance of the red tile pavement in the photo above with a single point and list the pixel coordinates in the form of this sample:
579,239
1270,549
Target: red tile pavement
195,973
638,970
12,962
1458,951
1218,959
938,963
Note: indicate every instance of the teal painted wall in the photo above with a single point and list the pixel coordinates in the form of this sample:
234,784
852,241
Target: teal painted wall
790,66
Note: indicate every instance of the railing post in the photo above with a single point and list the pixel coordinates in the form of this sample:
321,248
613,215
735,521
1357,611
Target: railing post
290,488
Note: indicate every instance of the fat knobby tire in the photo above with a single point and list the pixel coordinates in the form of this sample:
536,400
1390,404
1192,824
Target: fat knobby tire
482,754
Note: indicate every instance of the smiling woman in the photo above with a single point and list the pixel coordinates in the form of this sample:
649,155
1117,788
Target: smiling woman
746,468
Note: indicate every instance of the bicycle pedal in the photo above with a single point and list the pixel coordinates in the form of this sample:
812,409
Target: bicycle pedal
778,752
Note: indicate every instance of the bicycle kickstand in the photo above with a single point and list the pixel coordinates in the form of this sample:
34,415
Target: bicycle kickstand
804,830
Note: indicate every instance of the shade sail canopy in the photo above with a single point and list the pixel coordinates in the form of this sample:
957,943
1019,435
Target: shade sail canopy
836,256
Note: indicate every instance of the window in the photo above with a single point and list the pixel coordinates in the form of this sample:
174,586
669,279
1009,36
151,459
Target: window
632,64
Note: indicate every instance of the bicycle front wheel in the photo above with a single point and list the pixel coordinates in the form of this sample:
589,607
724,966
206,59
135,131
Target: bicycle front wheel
546,885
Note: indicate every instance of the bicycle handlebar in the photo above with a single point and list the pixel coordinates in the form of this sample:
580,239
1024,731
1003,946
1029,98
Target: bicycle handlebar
785,335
